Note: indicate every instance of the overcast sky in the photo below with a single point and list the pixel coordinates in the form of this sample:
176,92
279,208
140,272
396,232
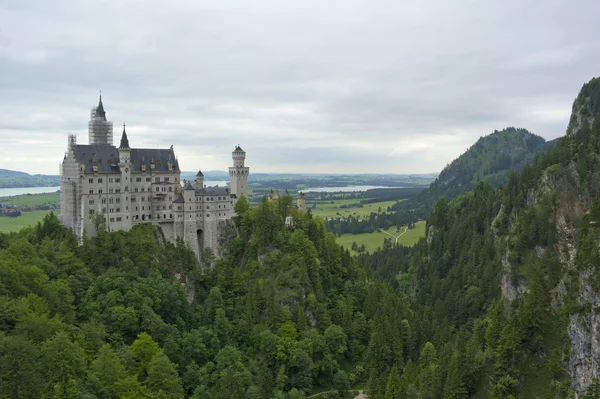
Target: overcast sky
303,86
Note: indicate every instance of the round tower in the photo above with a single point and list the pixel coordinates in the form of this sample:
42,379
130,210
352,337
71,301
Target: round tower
238,174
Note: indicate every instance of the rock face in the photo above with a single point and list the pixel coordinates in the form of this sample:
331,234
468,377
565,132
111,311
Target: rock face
584,333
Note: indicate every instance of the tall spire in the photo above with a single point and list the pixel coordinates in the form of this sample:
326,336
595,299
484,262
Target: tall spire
124,141
100,108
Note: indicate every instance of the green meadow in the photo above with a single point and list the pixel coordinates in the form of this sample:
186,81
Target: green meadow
10,224
332,210
31,199
374,240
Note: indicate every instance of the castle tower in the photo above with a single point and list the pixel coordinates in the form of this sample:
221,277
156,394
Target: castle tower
238,174
99,129
199,182
125,168
301,201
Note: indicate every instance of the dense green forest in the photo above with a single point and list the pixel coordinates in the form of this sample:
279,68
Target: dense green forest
505,277
493,303
11,178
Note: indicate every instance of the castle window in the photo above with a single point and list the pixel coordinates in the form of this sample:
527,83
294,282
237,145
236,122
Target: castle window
143,199
136,190
170,206
207,207
208,215
91,191
100,191
111,210
142,208
118,210
110,190
126,188
103,210
138,179
170,216
112,219
111,200
166,179
126,170
164,216
118,200
133,198
91,211
91,202
137,217
143,189
118,180
118,219
149,216
157,179
110,179
117,190
157,189
148,179
91,180
99,180
170,188
126,208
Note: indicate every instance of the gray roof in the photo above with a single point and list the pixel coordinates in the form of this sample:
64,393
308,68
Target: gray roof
189,186
238,149
212,191
100,110
107,158
199,173
124,140
179,200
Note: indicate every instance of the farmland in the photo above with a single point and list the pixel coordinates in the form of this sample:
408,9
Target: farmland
374,240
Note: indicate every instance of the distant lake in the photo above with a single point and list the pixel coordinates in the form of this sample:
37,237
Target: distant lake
9,192
220,183
342,189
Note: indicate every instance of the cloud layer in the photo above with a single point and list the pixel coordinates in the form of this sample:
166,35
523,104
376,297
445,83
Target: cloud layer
304,86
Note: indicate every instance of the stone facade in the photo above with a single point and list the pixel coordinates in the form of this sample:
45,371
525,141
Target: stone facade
129,186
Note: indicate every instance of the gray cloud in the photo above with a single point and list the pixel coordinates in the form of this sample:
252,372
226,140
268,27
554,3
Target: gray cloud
311,86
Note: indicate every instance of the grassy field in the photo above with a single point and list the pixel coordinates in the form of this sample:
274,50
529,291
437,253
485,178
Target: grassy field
374,240
31,199
333,210
8,224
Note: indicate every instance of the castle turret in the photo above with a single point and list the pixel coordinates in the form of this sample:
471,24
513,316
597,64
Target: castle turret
238,174
100,130
199,182
125,180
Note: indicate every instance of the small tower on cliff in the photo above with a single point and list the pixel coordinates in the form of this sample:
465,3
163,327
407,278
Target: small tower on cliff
238,174
301,201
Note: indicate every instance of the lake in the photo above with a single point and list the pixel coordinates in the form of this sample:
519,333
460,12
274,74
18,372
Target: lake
342,189
9,192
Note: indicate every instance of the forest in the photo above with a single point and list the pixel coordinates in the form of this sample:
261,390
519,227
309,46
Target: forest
483,306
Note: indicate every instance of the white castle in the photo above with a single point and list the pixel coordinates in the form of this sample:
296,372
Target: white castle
129,186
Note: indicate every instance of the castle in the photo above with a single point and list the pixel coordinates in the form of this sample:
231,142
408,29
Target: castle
129,186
